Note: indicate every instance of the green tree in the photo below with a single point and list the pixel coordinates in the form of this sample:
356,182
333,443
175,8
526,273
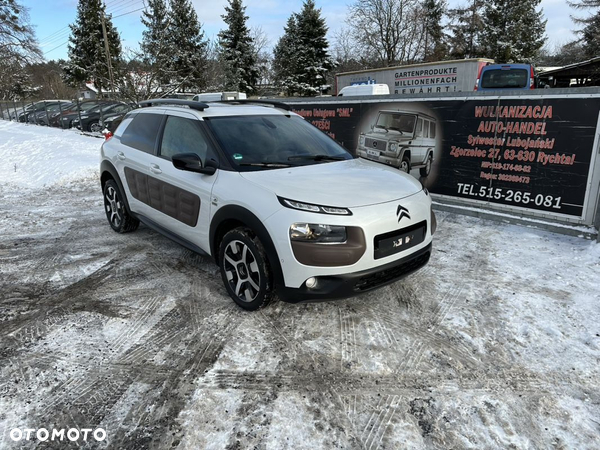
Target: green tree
466,27
435,45
187,47
155,44
88,60
18,48
514,31
285,58
590,34
301,57
241,73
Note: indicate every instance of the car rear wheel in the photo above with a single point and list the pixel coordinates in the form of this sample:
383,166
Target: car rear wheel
245,269
118,217
424,171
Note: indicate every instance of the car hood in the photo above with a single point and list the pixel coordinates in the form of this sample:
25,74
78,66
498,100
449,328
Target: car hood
351,183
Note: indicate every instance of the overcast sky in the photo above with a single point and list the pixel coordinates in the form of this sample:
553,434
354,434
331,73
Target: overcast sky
52,17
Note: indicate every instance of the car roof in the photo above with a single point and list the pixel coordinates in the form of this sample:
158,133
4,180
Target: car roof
219,109
414,113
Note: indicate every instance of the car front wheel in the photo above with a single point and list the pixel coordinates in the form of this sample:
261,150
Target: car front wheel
245,269
405,164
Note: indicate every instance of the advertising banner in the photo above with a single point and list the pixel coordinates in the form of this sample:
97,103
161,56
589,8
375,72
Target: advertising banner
532,153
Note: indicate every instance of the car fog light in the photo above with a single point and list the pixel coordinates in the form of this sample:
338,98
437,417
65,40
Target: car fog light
311,282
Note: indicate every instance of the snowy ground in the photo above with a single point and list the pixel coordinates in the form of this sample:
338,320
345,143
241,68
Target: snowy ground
494,345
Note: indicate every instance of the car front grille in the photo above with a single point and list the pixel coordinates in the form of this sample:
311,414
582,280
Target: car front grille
386,276
378,144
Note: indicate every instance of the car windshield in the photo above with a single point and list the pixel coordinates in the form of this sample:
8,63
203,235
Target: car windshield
263,142
405,123
504,79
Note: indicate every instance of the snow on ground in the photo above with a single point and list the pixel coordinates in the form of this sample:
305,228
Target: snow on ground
34,157
495,344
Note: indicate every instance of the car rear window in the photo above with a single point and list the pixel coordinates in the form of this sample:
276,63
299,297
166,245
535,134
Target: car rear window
142,131
504,78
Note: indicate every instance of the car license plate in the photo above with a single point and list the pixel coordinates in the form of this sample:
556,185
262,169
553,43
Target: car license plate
400,240
373,153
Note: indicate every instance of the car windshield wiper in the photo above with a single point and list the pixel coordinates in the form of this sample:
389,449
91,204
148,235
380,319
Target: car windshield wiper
267,164
396,129
316,158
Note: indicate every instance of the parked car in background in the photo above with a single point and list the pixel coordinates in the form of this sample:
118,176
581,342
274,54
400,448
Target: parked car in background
506,76
364,89
66,118
90,120
42,117
36,108
111,122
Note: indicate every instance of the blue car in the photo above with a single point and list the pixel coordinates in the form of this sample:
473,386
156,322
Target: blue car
506,76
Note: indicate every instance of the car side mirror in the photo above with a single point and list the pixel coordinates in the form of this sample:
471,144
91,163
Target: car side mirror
192,163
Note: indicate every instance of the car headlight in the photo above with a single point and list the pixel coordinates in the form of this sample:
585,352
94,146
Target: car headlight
362,139
314,208
393,146
312,232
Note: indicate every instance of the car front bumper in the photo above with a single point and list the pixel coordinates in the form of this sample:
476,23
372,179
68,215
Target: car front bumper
356,283
383,157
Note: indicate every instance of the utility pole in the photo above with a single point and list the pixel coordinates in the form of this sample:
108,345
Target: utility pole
106,47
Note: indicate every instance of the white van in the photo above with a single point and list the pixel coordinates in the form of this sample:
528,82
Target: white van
364,89
218,96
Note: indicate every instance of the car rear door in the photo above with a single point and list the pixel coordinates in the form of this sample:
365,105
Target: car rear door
135,154
185,197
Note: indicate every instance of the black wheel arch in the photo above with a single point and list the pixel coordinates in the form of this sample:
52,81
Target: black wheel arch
109,172
232,216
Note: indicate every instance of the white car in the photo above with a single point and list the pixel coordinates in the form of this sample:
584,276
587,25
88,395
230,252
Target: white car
280,206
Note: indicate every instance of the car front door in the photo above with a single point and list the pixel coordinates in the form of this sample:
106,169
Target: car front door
185,197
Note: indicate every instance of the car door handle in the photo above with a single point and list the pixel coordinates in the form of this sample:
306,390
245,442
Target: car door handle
155,169
121,155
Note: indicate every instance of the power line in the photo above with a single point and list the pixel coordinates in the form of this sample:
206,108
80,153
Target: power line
114,17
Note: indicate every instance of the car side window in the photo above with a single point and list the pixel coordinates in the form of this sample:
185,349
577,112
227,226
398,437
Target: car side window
420,127
142,131
431,129
426,128
183,135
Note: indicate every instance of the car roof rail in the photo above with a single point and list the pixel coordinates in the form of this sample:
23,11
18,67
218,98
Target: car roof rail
199,106
274,103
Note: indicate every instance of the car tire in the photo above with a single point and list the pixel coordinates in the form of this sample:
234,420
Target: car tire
116,212
245,269
94,127
405,164
424,171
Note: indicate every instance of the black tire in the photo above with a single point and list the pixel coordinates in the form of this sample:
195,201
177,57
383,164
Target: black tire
116,211
94,127
245,269
424,171
405,164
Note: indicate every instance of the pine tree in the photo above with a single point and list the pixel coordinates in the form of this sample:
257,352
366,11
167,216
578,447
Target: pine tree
188,47
514,31
241,73
18,47
313,56
285,58
591,37
590,34
301,58
155,45
87,52
466,31
435,46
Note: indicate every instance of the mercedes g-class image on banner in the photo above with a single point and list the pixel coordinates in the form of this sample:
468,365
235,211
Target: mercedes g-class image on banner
402,139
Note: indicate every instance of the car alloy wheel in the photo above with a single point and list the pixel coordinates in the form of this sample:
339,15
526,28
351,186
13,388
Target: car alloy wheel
95,127
241,270
245,269
114,207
